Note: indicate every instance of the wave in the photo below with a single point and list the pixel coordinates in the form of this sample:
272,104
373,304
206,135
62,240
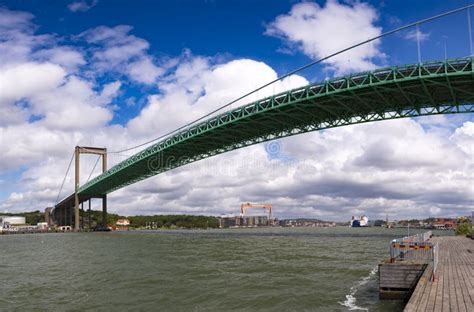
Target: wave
351,300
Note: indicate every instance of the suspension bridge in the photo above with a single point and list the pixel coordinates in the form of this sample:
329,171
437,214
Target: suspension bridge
421,89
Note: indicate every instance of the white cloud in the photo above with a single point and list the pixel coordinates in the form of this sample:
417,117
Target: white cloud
74,105
18,41
27,79
197,87
144,71
114,49
464,138
44,105
82,5
417,34
15,20
66,57
322,30
31,143
12,115
324,180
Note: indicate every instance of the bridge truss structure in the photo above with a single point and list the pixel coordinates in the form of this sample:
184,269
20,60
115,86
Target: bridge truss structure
431,88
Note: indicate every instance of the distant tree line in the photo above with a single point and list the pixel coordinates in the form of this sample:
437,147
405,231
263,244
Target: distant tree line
156,221
174,221
96,217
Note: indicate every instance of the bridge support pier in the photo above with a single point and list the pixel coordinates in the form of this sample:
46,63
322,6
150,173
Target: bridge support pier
71,216
67,216
76,189
82,216
60,216
104,212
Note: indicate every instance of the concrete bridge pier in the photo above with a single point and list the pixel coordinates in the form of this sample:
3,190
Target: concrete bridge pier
89,214
104,212
71,216
65,213
60,216
82,217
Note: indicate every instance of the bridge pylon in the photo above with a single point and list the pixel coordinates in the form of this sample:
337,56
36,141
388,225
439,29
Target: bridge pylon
87,150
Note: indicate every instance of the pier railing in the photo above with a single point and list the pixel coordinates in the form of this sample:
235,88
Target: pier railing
415,247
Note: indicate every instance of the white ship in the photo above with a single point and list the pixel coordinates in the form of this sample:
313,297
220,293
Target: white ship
362,221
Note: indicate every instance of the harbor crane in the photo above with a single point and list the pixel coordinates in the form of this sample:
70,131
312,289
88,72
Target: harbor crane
245,206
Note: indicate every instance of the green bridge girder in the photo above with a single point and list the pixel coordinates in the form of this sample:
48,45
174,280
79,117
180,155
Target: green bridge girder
440,87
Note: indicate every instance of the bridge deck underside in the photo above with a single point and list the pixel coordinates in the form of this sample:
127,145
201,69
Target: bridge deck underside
63,212
410,91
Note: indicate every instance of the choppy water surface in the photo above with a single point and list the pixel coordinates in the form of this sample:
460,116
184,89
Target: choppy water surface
267,269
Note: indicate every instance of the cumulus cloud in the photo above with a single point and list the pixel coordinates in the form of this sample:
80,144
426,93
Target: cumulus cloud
18,82
26,79
74,106
18,41
389,153
204,87
15,20
144,70
386,169
43,100
64,56
115,49
319,31
464,138
82,5
325,178
68,114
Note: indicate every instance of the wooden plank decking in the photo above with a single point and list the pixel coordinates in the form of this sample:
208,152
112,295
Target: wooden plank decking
453,289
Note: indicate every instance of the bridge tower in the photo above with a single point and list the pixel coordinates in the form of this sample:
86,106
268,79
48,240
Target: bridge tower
88,150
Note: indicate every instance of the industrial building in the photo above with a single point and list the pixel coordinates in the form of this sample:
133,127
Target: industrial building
248,221
7,221
243,221
17,224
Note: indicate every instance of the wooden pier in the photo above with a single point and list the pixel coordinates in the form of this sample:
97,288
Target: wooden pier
410,256
453,288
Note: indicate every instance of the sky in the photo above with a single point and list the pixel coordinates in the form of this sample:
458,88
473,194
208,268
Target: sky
118,73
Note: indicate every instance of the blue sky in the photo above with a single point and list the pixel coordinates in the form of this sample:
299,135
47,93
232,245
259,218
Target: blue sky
117,73
236,29
211,27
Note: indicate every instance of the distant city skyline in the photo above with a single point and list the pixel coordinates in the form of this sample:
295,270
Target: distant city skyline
118,73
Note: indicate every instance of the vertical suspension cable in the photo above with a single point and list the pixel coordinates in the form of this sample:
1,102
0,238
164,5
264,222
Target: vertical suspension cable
470,28
418,46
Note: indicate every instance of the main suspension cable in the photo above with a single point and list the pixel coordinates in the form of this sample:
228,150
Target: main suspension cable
300,69
93,168
65,176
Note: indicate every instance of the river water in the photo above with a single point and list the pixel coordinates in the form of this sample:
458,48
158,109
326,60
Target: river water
259,269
